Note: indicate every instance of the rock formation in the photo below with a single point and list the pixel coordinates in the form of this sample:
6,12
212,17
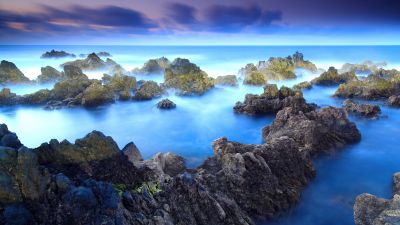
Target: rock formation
166,104
57,54
10,74
49,75
367,110
227,80
148,90
332,77
153,66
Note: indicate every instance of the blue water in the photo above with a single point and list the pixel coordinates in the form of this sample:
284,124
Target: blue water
197,121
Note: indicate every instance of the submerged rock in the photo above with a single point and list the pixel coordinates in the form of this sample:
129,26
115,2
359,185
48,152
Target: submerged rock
57,54
366,110
187,78
49,74
166,104
371,210
332,77
227,80
153,66
315,131
10,74
147,91
272,101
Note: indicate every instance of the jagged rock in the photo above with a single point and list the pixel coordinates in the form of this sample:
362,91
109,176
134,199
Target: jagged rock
315,132
148,90
72,72
332,77
227,80
276,68
366,110
273,100
8,139
120,82
153,66
133,153
57,54
97,94
187,78
49,74
166,104
302,85
371,210
70,88
91,62
165,164
94,146
394,100
10,74
381,84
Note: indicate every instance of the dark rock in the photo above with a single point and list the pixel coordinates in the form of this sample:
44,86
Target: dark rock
10,140
91,62
133,153
332,77
371,210
394,100
57,54
166,104
148,90
366,110
17,214
315,132
9,98
10,74
81,202
63,182
273,100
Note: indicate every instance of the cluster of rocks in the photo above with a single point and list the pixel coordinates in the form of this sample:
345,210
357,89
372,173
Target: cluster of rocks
227,80
276,68
272,101
153,66
333,77
147,90
166,104
371,210
93,62
57,54
367,110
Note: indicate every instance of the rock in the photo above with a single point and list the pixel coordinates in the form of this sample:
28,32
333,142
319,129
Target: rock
81,202
103,54
38,98
316,132
91,62
272,100
10,140
303,85
276,68
381,84
17,214
227,80
70,88
57,54
48,75
63,182
72,72
365,67
94,146
120,82
187,78
332,77
10,74
166,104
147,91
153,66
97,94
9,98
371,210
394,100
366,110
133,153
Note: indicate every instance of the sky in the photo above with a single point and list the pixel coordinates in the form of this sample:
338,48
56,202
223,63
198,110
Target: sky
200,22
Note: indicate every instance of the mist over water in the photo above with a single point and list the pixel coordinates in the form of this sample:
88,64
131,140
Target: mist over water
197,121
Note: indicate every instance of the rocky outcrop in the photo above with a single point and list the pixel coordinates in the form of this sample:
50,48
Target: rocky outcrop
272,101
148,90
9,98
166,104
276,68
49,75
394,100
379,85
122,84
367,110
365,67
97,94
57,54
315,131
227,80
153,66
187,78
371,210
302,85
332,77
92,62
10,74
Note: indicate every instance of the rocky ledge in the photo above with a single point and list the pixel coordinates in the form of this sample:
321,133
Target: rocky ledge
366,110
315,131
166,104
273,100
371,210
275,68
332,77
57,54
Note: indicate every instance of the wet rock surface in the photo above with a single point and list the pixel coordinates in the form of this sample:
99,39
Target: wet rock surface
372,210
367,110
166,104
272,101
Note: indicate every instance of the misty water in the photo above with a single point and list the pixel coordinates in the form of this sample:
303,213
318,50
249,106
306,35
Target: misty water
189,129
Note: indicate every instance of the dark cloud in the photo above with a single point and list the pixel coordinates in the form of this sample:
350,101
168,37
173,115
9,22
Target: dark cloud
182,13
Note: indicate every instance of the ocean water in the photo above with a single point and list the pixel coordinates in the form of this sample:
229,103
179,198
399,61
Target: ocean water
197,121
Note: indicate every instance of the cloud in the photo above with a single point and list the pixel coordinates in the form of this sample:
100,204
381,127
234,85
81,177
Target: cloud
182,13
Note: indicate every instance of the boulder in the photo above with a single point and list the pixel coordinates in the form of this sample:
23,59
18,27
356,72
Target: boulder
49,75
70,88
133,153
316,132
148,90
272,100
394,100
367,110
227,80
187,78
332,77
371,210
166,104
56,54
91,62
97,94
10,74
71,72
153,66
